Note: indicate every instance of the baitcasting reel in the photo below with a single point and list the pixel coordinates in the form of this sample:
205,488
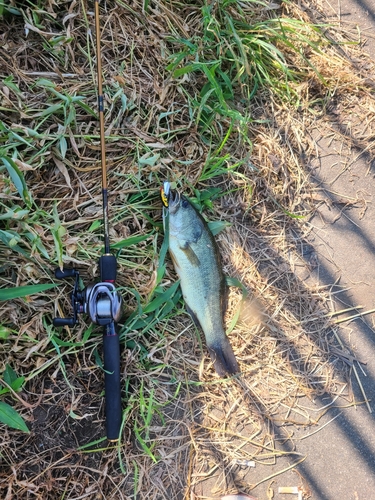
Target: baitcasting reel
100,301
103,304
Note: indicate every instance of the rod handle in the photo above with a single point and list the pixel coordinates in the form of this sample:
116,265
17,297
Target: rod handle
108,268
111,348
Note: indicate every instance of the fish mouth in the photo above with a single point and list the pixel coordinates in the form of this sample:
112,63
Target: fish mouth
174,197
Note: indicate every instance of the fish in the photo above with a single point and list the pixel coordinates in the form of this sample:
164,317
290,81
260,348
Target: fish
196,260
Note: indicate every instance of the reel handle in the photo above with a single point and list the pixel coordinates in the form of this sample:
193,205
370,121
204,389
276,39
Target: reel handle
76,296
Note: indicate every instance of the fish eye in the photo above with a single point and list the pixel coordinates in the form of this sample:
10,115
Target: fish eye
185,203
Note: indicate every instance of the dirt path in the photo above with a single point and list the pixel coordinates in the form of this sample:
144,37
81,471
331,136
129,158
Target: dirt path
340,457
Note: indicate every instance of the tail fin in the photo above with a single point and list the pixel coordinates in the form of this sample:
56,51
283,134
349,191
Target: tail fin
223,357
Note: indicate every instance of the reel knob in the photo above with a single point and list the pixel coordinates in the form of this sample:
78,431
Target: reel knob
64,322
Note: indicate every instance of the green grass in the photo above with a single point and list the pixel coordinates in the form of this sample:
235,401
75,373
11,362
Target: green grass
11,384
239,56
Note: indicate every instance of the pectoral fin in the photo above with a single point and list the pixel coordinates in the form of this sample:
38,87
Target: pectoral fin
191,255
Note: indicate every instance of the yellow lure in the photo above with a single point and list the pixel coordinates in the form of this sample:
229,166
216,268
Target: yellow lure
164,197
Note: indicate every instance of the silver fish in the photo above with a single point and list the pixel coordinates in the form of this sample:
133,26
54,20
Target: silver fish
196,260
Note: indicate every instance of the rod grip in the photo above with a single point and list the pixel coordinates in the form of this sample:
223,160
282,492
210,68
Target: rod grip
108,268
111,348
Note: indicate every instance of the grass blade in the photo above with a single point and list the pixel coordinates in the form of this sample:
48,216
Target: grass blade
161,298
22,291
132,240
11,418
18,179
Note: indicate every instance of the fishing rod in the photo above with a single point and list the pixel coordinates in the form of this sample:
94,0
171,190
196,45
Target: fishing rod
101,301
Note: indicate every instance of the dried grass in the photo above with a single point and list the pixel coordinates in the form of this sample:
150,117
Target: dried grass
284,338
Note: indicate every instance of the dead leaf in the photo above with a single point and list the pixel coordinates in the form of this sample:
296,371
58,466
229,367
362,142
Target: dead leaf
61,166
